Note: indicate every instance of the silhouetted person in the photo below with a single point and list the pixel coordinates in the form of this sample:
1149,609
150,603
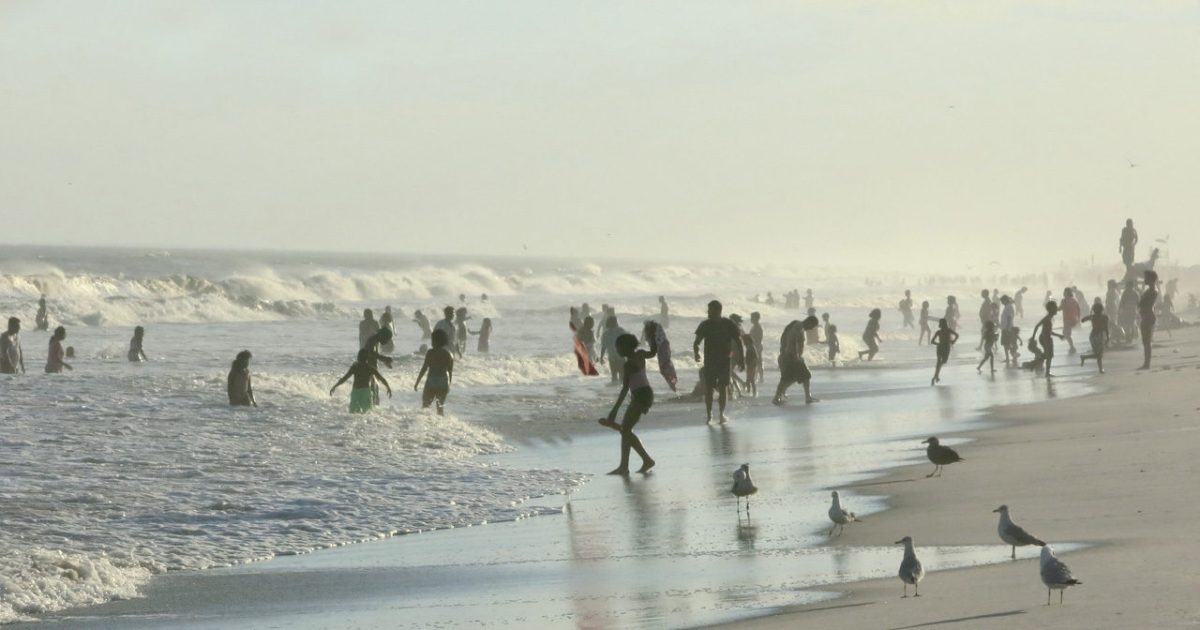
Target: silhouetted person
944,339
387,321
1019,301
54,359
1046,338
831,340
374,345
636,383
906,309
361,398
446,325
1098,337
423,323
985,314
1129,239
608,347
952,312
1148,318
1008,340
485,336
721,338
756,334
871,335
460,331
808,301
988,341
238,384
792,367
367,327
42,319
586,334
812,336
664,312
136,353
1070,318
926,332
1127,312
11,358
439,364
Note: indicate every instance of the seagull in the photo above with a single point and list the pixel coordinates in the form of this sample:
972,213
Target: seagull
911,570
1056,575
1014,534
1131,163
940,456
743,486
839,516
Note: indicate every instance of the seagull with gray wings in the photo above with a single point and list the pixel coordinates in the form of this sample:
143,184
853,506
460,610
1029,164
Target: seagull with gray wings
911,570
743,486
1014,534
839,515
1056,575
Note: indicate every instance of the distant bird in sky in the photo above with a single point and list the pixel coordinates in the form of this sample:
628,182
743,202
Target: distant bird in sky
940,456
1056,575
839,515
1131,163
911,570
743,486
1014,534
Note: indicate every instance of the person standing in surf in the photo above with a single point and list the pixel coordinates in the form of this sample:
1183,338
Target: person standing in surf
136,353
656,336
439,363
1019,301
1070,317
906,309
423,323
42,319
721,338
54,359
664,312
1147,315
792,366
608,347
871,335
387,321
361,398
1046,338
636,383
367,327
926,333
238,385
446,325
11,358
756,334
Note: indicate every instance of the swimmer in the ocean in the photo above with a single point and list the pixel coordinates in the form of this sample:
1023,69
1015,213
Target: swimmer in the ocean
423,323
439,363
361,398
136,353
237,384
54,360
367,327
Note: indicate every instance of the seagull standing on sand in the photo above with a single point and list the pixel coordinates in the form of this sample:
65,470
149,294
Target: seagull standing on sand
1056,575
839,516
940,456
911,570
743,486
1014,534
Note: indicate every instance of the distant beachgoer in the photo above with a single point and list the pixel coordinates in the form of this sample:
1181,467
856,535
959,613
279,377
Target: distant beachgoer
906,309
439,363
423,322
42,319
1038,360
1070,317
792,367
1112,306
871,335
944,339
721,340
586,334
574,321
361,398
70,352
831,340
10,348
1047,298
952,312
1046,338
483,297
635,382
1009,340
808,302
237,384
770,299
136,353
387,321
1129,240
1098,337
664,312
756,333
54,360
1019,301
1080,298
374,345
985,314
460,330
446,325
608,347
989,346
1148,317
812,337
752,362
926,332
656,335
367,327
485,335
585,310
1127,311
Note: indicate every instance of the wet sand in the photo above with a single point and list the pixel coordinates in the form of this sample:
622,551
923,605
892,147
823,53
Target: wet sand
1116,470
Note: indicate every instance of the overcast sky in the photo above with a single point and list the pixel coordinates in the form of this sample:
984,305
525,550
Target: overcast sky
920,134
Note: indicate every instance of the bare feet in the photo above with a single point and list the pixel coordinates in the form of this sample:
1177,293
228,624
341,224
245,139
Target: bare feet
724,419
646,466
605,422
811,399
619,471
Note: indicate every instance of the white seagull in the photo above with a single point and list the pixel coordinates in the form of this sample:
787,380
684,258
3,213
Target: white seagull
1014,534
839,516
743,486
1056,575
911,570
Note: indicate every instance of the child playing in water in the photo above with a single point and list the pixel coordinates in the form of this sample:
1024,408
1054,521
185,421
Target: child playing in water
871,335
361,398
988,342
136,354
635,381
440,365
1046,338
831,338
924,319
944,338
1012,349
752,364
1098,336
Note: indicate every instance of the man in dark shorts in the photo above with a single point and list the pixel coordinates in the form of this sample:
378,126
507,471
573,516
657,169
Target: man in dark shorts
792,368
721,337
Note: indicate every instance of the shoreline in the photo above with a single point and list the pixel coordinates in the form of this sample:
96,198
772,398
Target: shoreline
1051,443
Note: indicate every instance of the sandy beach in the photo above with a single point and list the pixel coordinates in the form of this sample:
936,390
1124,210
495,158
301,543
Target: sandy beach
1116,470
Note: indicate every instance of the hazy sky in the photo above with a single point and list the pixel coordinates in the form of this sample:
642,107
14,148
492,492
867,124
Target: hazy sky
917,134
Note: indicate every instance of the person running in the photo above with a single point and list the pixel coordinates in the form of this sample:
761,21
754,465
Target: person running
1019,301
722,340
439,363
1070,317
871,335
664,312
636,383
1146,311
423,322
944,339
42,319
367,327
1098,337
906,309
756,334
988,341
926,333
387,321
485,336
446,325
136,353
11,358
792,367
1129,240
238,384
361,398
1046,338
54,360
608,347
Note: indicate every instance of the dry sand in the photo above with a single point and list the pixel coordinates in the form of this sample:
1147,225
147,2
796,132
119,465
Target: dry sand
1116,470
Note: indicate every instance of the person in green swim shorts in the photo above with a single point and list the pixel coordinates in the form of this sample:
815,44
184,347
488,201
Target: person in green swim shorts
361,398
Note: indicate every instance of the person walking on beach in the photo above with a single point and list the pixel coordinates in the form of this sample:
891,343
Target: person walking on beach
1070,317
926,333
1046,338
608,347
1019,301
988,336
423,322
54,360
439,363
906,309
1129,240
361,398
722,341
1007,337
636,384
944,338
367,327
1146,311
1098,337
756,334
985,314
871,335
238,385
11,358
792,367
664,312
136,353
